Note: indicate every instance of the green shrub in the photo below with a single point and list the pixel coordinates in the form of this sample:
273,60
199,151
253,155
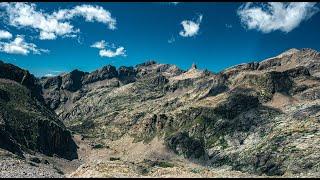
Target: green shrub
164,164
196,170
114,158
97,146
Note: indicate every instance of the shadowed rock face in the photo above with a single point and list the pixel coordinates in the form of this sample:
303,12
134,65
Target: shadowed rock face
127,74
235,105
73,80
106,72
54,83
25,123
184,145
55,139
8,142
9,71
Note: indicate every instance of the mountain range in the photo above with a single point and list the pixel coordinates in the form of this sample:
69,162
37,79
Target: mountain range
156,120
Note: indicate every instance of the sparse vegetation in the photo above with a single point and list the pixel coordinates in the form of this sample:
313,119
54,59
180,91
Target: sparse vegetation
164,164
114,158
98,146
196,170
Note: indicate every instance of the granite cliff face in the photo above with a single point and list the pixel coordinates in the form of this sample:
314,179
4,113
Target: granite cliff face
261,118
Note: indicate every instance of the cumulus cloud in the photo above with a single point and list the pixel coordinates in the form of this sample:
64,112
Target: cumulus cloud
120,51
26,15
56,24
47,35
19,46
89,12
190,28
272,16
5,34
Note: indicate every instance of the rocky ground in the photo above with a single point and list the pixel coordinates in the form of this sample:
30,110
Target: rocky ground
124,158
114,161
12,166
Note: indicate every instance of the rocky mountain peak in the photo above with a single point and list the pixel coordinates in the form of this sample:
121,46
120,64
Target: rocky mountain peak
147,63
14,73
193,66
73,80
289,52
107,72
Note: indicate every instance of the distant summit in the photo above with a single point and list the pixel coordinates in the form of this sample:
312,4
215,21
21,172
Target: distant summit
193,66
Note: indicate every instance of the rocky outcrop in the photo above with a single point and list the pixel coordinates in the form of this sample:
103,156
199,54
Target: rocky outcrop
127,74
31,125
14,73
236,104
72,81
147,63
25,123
8,142
52,82
55,139
107,72
68,87
184,145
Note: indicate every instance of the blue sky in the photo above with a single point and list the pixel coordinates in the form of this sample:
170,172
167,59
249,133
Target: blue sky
50,38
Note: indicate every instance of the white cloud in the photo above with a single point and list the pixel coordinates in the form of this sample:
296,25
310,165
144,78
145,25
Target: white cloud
47,35
52,25
120,51
49,75
190,28
171,40
268,17
5,34
52,73
19,46
89,12
100,44
25,15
